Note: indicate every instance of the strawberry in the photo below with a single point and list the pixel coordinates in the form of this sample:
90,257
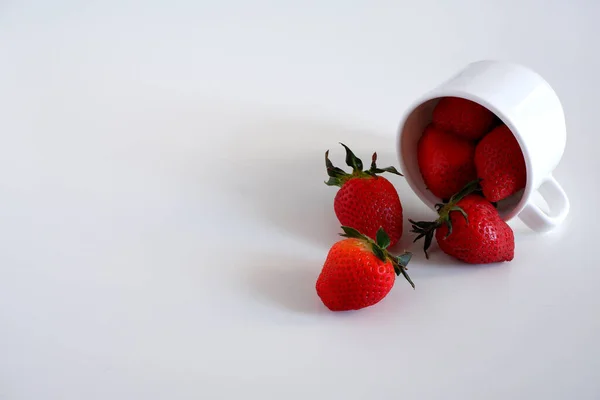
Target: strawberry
446,161
469,229
365,200
500,164
463,117
359,272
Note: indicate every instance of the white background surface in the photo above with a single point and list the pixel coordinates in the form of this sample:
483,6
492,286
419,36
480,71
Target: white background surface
163,216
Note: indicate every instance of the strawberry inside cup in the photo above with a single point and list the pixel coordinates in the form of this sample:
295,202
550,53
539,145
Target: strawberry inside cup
463,117
500,164
446,161
447,142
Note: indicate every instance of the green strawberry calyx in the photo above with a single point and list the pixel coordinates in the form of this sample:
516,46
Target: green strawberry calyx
379,248
337,176
427,229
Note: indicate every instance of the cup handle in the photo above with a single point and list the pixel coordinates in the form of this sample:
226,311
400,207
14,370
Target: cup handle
558,204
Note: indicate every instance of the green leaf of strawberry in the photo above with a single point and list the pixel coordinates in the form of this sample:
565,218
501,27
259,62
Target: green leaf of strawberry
337,176
427,228
352,160
379,248
375,170
383,240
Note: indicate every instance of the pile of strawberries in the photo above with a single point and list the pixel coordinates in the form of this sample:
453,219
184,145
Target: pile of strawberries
467,158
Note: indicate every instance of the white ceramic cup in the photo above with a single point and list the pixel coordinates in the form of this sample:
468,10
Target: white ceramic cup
526,103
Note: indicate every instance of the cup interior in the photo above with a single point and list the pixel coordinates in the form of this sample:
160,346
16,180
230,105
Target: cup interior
410,132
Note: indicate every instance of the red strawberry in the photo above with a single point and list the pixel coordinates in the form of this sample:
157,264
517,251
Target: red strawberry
500,164
366,201
463,117
446,161
470,229
359,272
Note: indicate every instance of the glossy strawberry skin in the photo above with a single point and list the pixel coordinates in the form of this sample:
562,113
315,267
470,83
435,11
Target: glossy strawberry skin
463,117
446,161
500,164
353,277
484,239
368,203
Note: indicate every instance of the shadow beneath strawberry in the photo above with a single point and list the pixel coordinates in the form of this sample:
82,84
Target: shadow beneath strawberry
281,178
291,286
290,195
441,265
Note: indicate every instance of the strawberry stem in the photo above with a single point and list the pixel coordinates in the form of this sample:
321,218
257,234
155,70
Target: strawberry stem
426,229
337,176
379,248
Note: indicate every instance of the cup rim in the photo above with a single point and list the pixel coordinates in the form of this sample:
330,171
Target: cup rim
439,93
